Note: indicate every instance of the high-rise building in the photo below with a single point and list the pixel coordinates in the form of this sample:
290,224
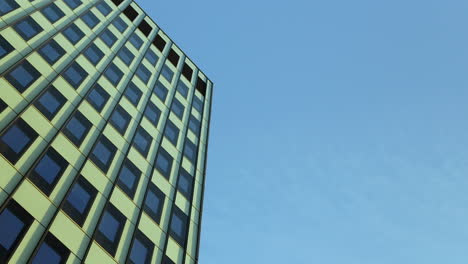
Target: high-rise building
103,135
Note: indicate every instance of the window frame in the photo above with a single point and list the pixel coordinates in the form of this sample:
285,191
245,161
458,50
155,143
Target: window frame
30,69
185,174
180,239
145,135
125,115
95,51
104,167
12,7
177,108
88,18
56,47
56,11
32,24
129,190
102,92
160,87
74,29
146,242
113,69
101,239
137,92
37,179
155,215
6,47
80,71
7,151
68,207
56,245
108,35
162,152
26,218
152,107
58,96
77,141
170,125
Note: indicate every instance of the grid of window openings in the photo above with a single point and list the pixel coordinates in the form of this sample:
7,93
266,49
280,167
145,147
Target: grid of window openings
103,135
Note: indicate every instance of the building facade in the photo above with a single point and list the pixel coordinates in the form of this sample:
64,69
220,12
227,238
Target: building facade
103,136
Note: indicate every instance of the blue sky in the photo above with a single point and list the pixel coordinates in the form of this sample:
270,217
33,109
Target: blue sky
339,128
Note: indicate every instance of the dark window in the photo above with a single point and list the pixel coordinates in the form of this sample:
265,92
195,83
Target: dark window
185,184
133,94
171,132
113,74
164,163
136,41
130,13
143,73
51,251
51,52
178,228
75,75
48,171
90,19
120,24
73,33
142,141
173,57
161,91
120,119
28,28
142,249
52,12
16,140
177,108
103,153
182,88
5,47
154,202
7,6
190,150
197,104
187,71
201,86
153,113
167,73
159,42
22,76
129,176
126,55
3,106
77,128
151,57
108,37
73,3
117,2
110,229
50,102
167,260
14,223
194,125
104,8
79,200
145,28
93,54
98,97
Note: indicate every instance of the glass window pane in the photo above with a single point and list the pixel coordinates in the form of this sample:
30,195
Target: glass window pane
28,28
79,198
10,228
23,76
